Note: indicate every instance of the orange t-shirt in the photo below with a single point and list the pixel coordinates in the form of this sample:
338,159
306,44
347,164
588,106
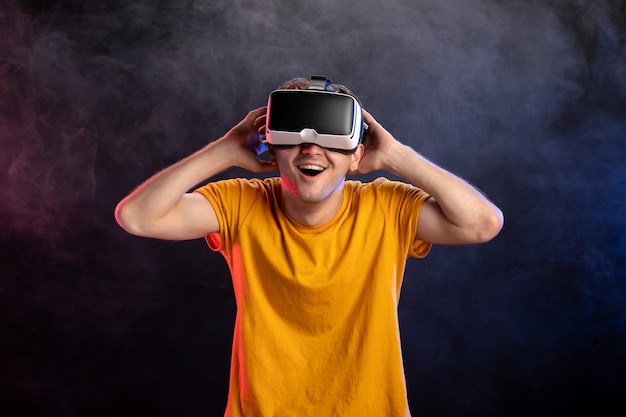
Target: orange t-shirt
316,332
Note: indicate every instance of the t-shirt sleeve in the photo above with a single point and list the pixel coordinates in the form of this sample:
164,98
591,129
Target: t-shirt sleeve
403,203
228,198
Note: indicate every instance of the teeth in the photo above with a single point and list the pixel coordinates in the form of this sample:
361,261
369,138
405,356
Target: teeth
312,167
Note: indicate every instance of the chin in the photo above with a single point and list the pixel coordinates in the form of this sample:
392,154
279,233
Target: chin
306,195
309,198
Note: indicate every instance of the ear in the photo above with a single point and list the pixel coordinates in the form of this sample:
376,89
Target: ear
356,157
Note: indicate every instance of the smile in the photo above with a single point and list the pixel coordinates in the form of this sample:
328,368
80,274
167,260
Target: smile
311,170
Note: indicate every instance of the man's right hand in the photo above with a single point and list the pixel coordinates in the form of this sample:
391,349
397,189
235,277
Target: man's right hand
245,145
163,208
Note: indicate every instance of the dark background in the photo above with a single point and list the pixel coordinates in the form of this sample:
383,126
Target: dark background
525,99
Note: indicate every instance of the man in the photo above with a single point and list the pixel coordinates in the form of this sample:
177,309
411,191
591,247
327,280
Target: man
317,261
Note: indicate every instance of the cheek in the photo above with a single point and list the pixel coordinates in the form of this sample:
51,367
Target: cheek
345,163
281,161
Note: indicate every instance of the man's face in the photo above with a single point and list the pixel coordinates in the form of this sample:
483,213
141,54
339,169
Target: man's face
311,173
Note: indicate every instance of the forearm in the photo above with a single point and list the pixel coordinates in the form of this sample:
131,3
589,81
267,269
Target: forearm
472,217
153,199
162,207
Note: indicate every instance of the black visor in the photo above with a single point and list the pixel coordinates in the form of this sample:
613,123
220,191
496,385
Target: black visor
327,114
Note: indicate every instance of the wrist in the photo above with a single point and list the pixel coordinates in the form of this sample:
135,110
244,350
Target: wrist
225,151
398,158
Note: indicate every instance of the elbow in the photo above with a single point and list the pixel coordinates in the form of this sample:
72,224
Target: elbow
125,217
491,225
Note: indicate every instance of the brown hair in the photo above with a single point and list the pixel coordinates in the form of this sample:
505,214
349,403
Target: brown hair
300,83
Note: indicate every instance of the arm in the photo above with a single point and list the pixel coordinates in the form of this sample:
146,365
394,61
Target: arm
456,213
163,208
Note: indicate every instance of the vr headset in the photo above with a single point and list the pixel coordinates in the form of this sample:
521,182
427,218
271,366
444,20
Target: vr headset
317,115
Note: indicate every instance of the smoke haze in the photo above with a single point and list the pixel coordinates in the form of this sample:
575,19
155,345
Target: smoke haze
524,99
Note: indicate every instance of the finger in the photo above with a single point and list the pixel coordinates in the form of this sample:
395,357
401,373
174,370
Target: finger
368,118
260,119
259,111
259,122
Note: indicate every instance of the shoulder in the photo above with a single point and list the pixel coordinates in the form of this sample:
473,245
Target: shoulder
394,198
382,186
240,195
235,200
240,185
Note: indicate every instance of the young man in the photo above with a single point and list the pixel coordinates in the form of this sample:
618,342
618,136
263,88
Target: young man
317,261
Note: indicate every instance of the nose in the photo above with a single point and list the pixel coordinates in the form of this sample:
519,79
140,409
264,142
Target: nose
311,149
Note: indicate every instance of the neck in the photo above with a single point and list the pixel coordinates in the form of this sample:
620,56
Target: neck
312,214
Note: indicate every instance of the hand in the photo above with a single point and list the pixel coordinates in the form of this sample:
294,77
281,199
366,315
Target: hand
245,137
455,213
378,145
